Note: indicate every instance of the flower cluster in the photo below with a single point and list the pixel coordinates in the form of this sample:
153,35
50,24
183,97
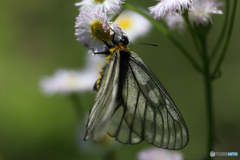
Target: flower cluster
165,7
92,27
199,12
107,6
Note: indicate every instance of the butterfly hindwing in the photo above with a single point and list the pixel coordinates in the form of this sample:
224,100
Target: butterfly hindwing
120,130
150,111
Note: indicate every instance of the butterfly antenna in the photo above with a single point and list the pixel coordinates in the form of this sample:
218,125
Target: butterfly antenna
111,28
114,34
155,45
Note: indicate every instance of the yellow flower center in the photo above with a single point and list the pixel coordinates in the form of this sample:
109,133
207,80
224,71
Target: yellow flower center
98,31
99,1
125,23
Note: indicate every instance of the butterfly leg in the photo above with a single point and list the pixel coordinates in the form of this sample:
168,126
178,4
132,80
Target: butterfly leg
99,53
101,39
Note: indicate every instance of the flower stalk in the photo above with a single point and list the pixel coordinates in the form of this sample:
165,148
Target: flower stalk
229,33
217,46
208,93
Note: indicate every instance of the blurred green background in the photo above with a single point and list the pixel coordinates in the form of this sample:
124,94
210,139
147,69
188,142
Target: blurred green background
37,38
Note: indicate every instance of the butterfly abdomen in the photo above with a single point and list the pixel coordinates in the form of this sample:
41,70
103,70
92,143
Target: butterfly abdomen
124,52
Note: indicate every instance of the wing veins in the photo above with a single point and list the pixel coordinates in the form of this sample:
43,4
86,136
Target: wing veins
140,87
179,125
119,126
102,93
175,134
181,134
134,117
143,133
154,126
162,127
171,108
157,83
97,116
168,131
101,108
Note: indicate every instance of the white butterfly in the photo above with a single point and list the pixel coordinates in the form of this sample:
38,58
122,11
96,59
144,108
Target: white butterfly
132,105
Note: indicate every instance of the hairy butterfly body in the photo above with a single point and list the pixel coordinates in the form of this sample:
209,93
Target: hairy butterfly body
132,105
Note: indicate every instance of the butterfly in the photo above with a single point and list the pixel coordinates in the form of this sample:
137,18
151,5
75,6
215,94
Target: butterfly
132,105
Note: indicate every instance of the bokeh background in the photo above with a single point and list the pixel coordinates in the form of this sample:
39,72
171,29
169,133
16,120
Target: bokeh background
37,38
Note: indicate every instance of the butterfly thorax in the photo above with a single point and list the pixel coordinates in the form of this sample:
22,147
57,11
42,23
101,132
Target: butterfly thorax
120,46
116,49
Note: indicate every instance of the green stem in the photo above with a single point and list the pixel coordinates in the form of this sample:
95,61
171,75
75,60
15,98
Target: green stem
166,33
77,104
194,37
208,91
229,33
217,46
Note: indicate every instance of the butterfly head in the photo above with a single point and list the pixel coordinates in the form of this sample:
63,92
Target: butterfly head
124,40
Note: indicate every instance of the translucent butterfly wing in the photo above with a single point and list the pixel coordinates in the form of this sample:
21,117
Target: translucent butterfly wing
106,100
150,111
120,130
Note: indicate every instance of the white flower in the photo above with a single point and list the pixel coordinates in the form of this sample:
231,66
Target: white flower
159,154
92,29
89,26
169,7
201,11
175,21
109,6
67,81
133,24
118,35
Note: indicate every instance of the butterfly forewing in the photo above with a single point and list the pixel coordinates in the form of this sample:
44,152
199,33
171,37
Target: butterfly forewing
132,105
149,110
106,100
